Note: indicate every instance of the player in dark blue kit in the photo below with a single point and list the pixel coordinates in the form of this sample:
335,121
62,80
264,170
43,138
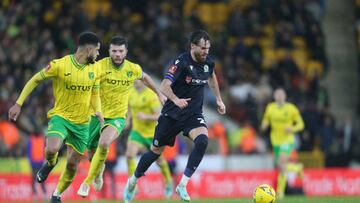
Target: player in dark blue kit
183,85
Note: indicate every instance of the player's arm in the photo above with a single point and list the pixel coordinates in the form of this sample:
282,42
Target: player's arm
299,122
214,86
149,82
266,119
14,111
96,102
165,88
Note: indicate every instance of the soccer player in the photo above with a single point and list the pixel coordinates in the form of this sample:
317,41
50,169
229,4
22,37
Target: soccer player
183,85
118,76
285,120
144,110
75,82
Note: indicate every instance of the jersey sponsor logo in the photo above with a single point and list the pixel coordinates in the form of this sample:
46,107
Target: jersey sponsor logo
172,69
188,79
118,82
67,74
201,120
198,81
206,68
129,74
91,75
84,88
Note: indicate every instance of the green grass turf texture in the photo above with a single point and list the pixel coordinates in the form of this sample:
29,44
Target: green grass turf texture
291,199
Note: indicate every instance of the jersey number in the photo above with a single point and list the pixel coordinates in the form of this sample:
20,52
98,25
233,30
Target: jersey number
201,120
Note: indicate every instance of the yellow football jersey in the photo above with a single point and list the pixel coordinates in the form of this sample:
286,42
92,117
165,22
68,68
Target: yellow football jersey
73,85
146,102
115,86
280,118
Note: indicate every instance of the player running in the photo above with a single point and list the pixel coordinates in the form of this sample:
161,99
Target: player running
75,81
285,120
118,76
144,110
183,85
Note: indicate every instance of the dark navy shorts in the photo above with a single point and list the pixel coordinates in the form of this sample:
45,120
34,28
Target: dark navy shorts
168,128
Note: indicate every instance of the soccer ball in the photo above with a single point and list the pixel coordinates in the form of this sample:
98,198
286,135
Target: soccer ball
264,194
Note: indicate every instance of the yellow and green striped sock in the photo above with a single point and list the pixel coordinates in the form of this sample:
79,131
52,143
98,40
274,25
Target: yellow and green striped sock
97,162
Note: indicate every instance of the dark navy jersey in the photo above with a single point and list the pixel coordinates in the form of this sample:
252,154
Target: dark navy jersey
188,80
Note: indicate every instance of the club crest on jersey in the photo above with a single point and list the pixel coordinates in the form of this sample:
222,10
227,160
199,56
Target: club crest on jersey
172,69
206,68
129,74
91,75
191,67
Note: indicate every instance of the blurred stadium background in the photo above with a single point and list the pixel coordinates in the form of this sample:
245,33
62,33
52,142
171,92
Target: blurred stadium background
310,47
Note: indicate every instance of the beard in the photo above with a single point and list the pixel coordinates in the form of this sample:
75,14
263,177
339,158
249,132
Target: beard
199,58
117,64
90,60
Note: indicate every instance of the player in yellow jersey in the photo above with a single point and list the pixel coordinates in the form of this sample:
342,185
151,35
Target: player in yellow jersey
144,110
75,81
285,120
118,76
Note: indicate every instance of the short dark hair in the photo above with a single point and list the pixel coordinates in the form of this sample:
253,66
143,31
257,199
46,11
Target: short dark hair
119,40
196,36
88,37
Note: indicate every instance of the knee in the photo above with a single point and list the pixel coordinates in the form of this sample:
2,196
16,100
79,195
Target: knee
51,149
157,150
201,141
104,143
72,165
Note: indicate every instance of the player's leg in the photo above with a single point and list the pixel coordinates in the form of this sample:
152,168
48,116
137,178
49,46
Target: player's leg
282,160
133,146
66,178
200,137
165,134
55,135
165,171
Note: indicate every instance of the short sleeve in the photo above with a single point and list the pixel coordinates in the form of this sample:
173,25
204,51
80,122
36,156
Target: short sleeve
175,70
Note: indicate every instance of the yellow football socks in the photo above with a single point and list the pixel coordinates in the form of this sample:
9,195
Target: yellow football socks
281,184
131,163
65,180
165,171
97,162
51,158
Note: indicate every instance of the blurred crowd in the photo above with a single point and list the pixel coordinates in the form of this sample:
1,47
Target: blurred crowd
258,45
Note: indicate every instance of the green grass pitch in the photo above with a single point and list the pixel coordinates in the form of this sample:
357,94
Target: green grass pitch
291,199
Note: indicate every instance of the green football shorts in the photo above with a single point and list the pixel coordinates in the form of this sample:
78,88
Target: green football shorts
285,148
74,135
138,138
95,129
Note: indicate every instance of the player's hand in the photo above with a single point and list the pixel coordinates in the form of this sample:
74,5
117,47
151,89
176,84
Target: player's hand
162,98
141,116
221,107
14,112
182,103
101,118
